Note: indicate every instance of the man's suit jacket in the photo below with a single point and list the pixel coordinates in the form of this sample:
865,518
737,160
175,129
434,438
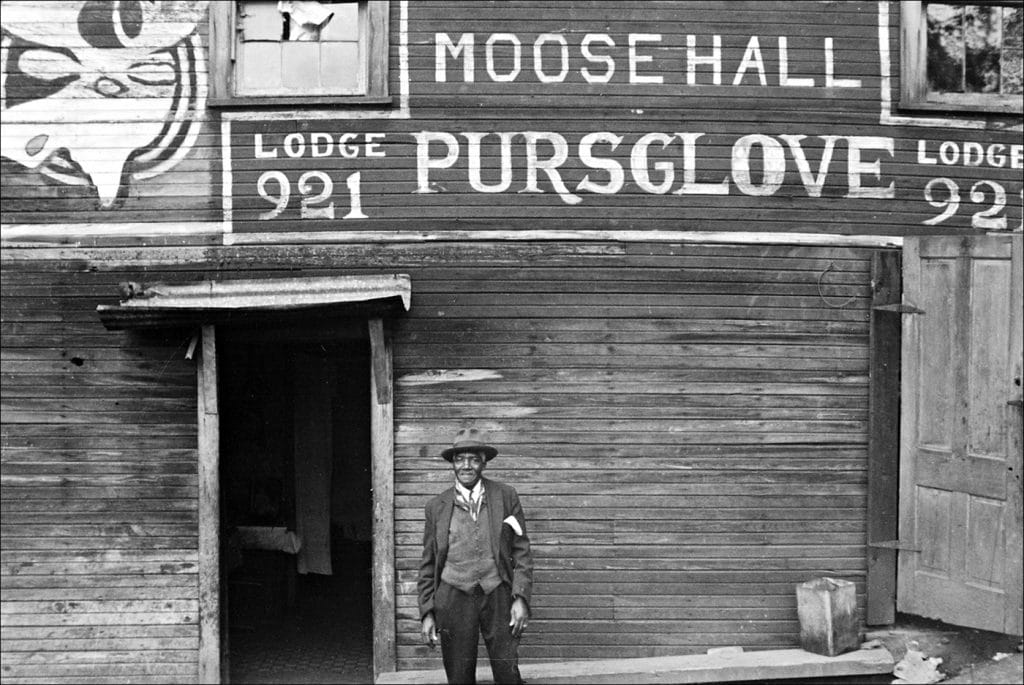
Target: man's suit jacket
511,551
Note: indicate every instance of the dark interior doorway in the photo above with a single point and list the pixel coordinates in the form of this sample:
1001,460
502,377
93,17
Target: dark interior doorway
296,503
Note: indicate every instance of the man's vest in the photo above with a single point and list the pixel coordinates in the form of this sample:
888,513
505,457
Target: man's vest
470,561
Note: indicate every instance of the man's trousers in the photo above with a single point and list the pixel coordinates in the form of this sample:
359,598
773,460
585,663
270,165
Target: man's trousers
461,619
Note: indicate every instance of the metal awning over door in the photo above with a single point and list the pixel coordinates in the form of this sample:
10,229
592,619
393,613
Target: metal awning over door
163,305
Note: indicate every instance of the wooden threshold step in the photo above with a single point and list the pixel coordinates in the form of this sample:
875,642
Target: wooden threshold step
719,667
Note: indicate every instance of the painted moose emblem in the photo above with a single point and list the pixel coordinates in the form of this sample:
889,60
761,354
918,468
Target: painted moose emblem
100,93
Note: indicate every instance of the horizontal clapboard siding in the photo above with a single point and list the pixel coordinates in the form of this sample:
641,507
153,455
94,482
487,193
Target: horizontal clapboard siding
686,425
99,532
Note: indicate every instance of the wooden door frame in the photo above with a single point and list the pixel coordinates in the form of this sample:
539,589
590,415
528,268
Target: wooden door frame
382,484
883,435
1015,437
209,508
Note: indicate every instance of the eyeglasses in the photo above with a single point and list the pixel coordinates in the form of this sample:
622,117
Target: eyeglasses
467,459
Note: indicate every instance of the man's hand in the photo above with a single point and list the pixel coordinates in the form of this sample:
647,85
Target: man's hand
520,617
428,629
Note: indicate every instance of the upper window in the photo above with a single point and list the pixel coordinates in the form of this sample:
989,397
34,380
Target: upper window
298,52
961,57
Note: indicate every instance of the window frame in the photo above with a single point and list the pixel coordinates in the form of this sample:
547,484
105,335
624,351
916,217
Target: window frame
914,93
223,24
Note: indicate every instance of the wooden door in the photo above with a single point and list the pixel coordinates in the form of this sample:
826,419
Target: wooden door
960,452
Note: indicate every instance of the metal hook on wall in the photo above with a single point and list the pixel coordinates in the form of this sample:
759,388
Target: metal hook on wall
821,277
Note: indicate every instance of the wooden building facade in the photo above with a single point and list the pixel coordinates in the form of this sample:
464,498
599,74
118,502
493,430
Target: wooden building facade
672,255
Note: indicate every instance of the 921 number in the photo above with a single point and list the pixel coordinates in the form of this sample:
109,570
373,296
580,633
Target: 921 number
316,189
949,201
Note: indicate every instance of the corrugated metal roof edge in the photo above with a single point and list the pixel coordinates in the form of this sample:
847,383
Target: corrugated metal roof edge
162,305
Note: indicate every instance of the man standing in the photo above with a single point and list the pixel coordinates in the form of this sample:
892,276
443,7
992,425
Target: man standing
476,574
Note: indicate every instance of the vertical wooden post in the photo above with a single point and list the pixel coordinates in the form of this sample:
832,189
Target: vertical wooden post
209,511
1014,621
383,470
884,437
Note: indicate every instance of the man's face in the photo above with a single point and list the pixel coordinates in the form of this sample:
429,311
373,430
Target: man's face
468,466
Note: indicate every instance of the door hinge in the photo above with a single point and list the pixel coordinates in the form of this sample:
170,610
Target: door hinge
899,308
894,544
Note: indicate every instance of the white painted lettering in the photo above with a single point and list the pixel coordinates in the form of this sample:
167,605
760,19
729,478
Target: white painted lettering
473,138
813,184
751,58
690,185
345,149
260,152
774,165
639,165
442,44
856,168
424,163
372,146
538,57
693,60
949,152
994,155
974,154
321,144
517,57
784,79
922,153
830,70
294,144
603,59
616,174
636,59
549,166
970,154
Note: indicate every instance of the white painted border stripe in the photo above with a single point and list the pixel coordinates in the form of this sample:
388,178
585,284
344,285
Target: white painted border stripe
742,237
71,232
226,179
340,112
403,59
33,234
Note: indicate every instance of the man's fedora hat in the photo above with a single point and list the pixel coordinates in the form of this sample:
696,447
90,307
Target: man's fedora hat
470,440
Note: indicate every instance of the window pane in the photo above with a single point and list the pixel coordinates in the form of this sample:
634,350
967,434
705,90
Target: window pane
945,47
1012,44
300,66
341,67
261,21
259,67
982,36
344,25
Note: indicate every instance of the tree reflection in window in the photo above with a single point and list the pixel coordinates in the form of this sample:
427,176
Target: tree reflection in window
974,48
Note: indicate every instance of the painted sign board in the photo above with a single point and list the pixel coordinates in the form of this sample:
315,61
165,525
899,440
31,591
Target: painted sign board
592,116
330,177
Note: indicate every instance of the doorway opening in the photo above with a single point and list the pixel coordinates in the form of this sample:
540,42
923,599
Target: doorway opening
296,503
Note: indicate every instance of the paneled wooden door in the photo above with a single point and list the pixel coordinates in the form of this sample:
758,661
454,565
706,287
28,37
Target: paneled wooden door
960,452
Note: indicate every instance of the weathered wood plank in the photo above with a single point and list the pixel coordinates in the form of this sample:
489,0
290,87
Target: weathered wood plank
139,591
101,632
382,477
118,618
140,644
884,438
74,607
698,668
209,607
